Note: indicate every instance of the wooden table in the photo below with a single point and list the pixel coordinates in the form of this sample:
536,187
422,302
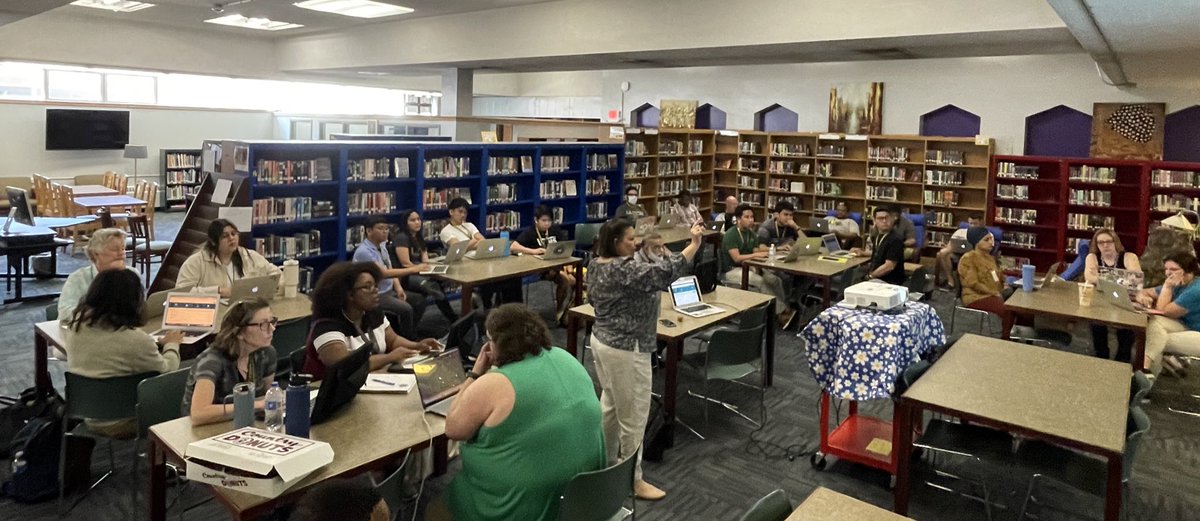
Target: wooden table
470,273
826,505
806,266
1077,401
368,434
733,300
92,204
1061,299
92,190
49,334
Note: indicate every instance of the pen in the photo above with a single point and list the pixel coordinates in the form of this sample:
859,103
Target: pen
384,382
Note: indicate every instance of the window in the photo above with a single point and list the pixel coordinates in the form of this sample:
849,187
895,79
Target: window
74,85
21,81
123,88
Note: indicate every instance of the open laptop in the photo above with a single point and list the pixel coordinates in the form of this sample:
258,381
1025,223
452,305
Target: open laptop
489,249
193,313
438,380
643,226
156,301
454,254
1116,295
558,250
254,287
716,226
1131,280
834,247
685,298
670,220
802,247
820,224
342,382
959,246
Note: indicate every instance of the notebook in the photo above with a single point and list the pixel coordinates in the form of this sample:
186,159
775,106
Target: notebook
685,298
193,313
389,383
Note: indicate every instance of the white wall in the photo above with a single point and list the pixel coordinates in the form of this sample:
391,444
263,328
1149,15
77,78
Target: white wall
23,139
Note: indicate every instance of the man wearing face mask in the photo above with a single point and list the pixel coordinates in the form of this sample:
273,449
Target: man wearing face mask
630,209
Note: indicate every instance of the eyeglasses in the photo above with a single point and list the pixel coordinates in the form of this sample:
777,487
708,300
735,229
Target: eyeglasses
1105,242
265,325
372,288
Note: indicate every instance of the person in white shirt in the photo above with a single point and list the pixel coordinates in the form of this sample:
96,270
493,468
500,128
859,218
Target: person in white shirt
945,256
106,251
686,209
459,229
845,228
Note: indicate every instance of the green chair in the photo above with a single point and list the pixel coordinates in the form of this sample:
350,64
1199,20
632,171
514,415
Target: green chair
159,399
585,235
772,507
731,356
100,399
600,495
52,311
1139,386
289,338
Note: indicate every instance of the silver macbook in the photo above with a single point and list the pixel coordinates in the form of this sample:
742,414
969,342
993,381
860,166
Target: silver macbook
959,246
489,249
195,314
254,287
820,224
644,225
558,250
803,247
685,298
454,254
834,247
1115,294
670,220
439,380
156,301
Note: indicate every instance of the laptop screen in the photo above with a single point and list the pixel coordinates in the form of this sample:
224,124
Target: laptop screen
439,378
685,292
193,311
831,243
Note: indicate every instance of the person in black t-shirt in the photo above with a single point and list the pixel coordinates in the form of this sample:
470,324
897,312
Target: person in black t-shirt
886,249
408,249
533,241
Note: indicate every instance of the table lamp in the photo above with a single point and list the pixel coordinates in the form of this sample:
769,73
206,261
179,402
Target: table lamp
135,152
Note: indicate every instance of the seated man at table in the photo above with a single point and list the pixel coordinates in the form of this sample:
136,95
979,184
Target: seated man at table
459,229
886,250
741,244
533,241
392,297
945,256
630,209
781,230
686,209
106,251
904,227
847,231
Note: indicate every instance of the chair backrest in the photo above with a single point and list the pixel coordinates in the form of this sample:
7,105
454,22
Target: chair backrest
139,228
598,495
103,398
52,311
911,374
289,338
466,335
121,185
921,281
1135,429
42,194
754,317
585,235
105,218
734,346
772,507
110,179
159,399
89,179
1139,385
1075,269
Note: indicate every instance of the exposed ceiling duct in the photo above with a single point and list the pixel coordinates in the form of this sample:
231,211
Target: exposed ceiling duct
1081,21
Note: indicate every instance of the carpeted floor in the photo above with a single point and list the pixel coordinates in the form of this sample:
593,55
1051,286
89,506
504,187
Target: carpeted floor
717,478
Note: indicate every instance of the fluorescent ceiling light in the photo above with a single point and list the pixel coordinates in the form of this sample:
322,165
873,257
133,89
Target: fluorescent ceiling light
119,6
263,24
355,8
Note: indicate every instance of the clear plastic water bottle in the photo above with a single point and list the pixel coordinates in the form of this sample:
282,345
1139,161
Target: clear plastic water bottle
772,253
274,408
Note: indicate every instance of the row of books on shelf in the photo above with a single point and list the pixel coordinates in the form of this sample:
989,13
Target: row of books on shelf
668,187
502,221
444,167
663,207
510,165
1026,216
597,210
671,168
181,192
790,149
829,188
1093,174
1174,203
825,170
942,197
370,203
439,198
1083,221
502,193
431,230
942,219
558,189
831,151
749,147
1019,239
945,177
824,205
599,162
784,185
637,169
269,172
1010,170
695,166
670,147
1011,263
1090,197
945,157
746,181
1073,244
269,210
635,148
277,248
598,186
746,163
883,192
751,198
377,169
892,173
937,239
1174,179
554,164
1018,192
182,160
894,154
774,200
183,177
355,235
790,168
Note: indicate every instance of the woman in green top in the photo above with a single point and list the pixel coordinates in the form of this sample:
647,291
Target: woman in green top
528,426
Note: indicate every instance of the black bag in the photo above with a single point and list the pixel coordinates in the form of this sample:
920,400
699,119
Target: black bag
707,274
659,432
16,411
35,461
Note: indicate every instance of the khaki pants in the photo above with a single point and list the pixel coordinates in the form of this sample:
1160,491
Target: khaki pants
625,381
1172,336
767,282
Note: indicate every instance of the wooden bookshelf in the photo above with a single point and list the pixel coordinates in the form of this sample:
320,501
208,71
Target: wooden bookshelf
1172,186
180,177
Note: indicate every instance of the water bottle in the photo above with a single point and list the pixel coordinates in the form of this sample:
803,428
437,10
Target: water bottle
504,235
296,421
243,405
772,253
274,408
1027,277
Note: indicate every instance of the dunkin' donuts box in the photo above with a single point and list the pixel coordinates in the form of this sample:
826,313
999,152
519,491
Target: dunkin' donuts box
255,461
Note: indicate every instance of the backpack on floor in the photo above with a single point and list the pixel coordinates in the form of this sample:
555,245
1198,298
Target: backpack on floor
20,409
659,434
34,462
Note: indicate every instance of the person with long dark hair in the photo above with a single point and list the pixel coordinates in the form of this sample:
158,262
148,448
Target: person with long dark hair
1105,255
346,317
627,294
240,352
1177,329
410,250
222,260
104,339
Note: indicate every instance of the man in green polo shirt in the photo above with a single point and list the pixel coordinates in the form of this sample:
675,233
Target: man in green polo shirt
739,244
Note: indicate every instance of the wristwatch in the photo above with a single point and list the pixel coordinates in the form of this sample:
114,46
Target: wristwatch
473,375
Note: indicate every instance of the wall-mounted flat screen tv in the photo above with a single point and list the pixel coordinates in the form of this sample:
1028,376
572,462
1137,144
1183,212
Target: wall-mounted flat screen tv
68,129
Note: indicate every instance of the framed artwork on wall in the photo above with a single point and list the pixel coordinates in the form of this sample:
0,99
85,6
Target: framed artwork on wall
1128,130
677,113
856,108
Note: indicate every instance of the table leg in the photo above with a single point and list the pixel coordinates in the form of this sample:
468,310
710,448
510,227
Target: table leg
41,364
441,455
579,283
572,335
902,452
157,495
1139,351
827,292
674,349
466,304
1112,496
769,349
745,276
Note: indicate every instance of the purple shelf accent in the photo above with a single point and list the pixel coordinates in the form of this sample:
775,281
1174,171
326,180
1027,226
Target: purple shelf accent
776,118
710,117
645,116
1181,135
949,121
1059,131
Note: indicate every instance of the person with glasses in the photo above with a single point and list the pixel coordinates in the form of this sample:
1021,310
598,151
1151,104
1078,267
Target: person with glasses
222,260
346,317
240,352
392,297
630,209
1106,254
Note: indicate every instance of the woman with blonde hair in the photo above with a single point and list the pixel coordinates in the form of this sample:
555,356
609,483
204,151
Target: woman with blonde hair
240,352
1105,255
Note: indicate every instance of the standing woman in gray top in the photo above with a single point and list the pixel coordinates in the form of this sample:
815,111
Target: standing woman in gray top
627,293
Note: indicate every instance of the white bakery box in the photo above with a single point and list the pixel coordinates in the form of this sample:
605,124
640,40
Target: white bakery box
255,461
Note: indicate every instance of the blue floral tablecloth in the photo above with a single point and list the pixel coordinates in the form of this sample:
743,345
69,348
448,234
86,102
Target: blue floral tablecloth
856,354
